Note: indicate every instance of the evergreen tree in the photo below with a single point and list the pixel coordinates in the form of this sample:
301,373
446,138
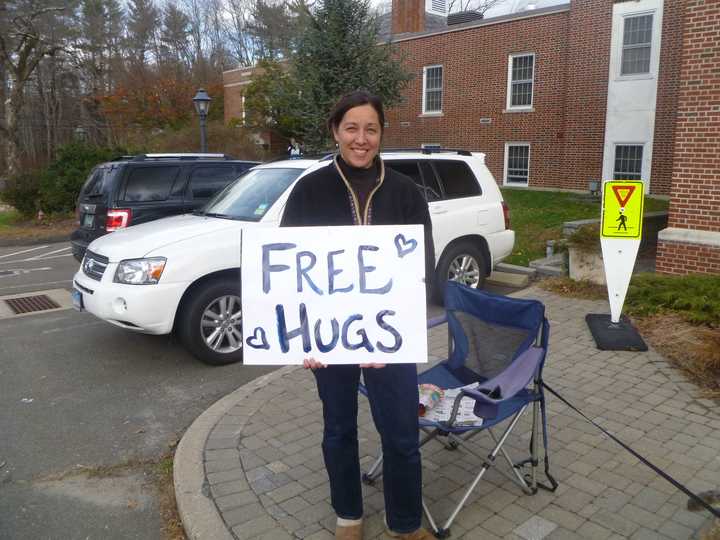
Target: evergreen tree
338,52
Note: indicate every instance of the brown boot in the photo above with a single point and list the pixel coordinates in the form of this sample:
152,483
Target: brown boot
419,534
351,532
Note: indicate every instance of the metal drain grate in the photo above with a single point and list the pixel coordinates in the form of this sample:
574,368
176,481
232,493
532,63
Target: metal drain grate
29,304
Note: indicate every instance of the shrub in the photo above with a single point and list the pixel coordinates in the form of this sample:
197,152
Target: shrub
586,239
61,182
22,192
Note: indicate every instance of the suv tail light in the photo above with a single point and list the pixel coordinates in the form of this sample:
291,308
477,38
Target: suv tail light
506,215
117,219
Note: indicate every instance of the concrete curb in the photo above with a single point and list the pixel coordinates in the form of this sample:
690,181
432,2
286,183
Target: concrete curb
198,512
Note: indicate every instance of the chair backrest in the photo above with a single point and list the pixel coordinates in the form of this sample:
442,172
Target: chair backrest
489,331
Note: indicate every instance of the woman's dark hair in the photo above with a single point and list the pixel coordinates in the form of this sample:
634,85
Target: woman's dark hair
352,100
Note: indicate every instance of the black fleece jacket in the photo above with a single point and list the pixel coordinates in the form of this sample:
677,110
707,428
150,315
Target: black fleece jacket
324,198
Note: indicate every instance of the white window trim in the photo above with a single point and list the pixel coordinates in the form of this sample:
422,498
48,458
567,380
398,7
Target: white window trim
655,44
642,161
508,90
507,156
442,91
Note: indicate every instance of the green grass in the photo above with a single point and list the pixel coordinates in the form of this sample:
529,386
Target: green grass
695,298
9,218
538,216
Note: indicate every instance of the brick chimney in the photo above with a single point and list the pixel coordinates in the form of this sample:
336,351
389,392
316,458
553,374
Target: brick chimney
408,16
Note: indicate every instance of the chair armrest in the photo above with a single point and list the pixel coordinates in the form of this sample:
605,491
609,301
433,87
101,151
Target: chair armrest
437,321
480,398
513,378
506,385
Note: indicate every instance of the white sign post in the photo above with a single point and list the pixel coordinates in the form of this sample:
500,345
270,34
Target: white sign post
620,235
342,295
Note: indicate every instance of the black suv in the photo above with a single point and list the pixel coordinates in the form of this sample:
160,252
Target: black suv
136,189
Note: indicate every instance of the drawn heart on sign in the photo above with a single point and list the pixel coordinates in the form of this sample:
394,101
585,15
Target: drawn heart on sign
258,339
404,246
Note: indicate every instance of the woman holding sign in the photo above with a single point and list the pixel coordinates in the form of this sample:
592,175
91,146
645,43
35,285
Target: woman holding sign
357,189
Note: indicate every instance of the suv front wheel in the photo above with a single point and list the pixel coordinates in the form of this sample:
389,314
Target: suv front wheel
210,323
462,262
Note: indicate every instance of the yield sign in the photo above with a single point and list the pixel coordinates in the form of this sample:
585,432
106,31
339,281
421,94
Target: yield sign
622,209
623,193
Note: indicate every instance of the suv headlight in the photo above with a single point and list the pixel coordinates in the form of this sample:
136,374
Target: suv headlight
140,271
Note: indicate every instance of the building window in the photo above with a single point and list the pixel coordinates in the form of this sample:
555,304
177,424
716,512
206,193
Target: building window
517,164
521,70
432,89
628,162
637,36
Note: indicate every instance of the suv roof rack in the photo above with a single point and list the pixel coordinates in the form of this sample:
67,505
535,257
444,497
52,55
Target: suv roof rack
429,150
144,157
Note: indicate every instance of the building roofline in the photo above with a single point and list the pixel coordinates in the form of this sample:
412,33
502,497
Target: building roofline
501,19
552,10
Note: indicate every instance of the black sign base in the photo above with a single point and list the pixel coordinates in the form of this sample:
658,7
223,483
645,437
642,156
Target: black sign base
610,336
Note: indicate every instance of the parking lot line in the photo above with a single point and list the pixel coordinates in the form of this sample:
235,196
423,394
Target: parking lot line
45,255
23,251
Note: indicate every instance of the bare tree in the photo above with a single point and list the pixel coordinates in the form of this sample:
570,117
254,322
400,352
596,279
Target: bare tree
480,6
197,14
24,42
218,53
175,50
237,33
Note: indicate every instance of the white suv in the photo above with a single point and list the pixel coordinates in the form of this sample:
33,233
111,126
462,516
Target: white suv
182,273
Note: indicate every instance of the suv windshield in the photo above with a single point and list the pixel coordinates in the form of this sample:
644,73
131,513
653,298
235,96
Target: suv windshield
252,195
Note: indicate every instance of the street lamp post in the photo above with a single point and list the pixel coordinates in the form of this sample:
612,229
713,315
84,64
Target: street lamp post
202,105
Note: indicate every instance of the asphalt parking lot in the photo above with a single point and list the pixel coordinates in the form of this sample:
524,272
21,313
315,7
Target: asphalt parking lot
78,394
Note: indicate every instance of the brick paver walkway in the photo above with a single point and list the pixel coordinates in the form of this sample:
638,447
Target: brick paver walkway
266,476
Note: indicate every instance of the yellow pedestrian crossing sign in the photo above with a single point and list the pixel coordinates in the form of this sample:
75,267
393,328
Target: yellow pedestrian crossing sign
622,209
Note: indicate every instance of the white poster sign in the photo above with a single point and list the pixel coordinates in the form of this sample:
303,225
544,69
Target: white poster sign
342,295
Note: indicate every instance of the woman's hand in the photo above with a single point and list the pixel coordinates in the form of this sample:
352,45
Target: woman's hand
311,363
372,365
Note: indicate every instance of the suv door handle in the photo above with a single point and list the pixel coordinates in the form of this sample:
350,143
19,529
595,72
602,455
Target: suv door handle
439,211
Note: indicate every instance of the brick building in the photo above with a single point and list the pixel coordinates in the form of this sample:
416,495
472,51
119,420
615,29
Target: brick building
691,243
561,96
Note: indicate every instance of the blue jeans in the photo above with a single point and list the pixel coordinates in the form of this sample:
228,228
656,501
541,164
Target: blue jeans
393,395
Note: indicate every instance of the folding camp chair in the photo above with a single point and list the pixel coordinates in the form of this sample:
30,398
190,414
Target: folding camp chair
498,343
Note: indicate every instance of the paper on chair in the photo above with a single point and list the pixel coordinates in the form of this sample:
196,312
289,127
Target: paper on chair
443,409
